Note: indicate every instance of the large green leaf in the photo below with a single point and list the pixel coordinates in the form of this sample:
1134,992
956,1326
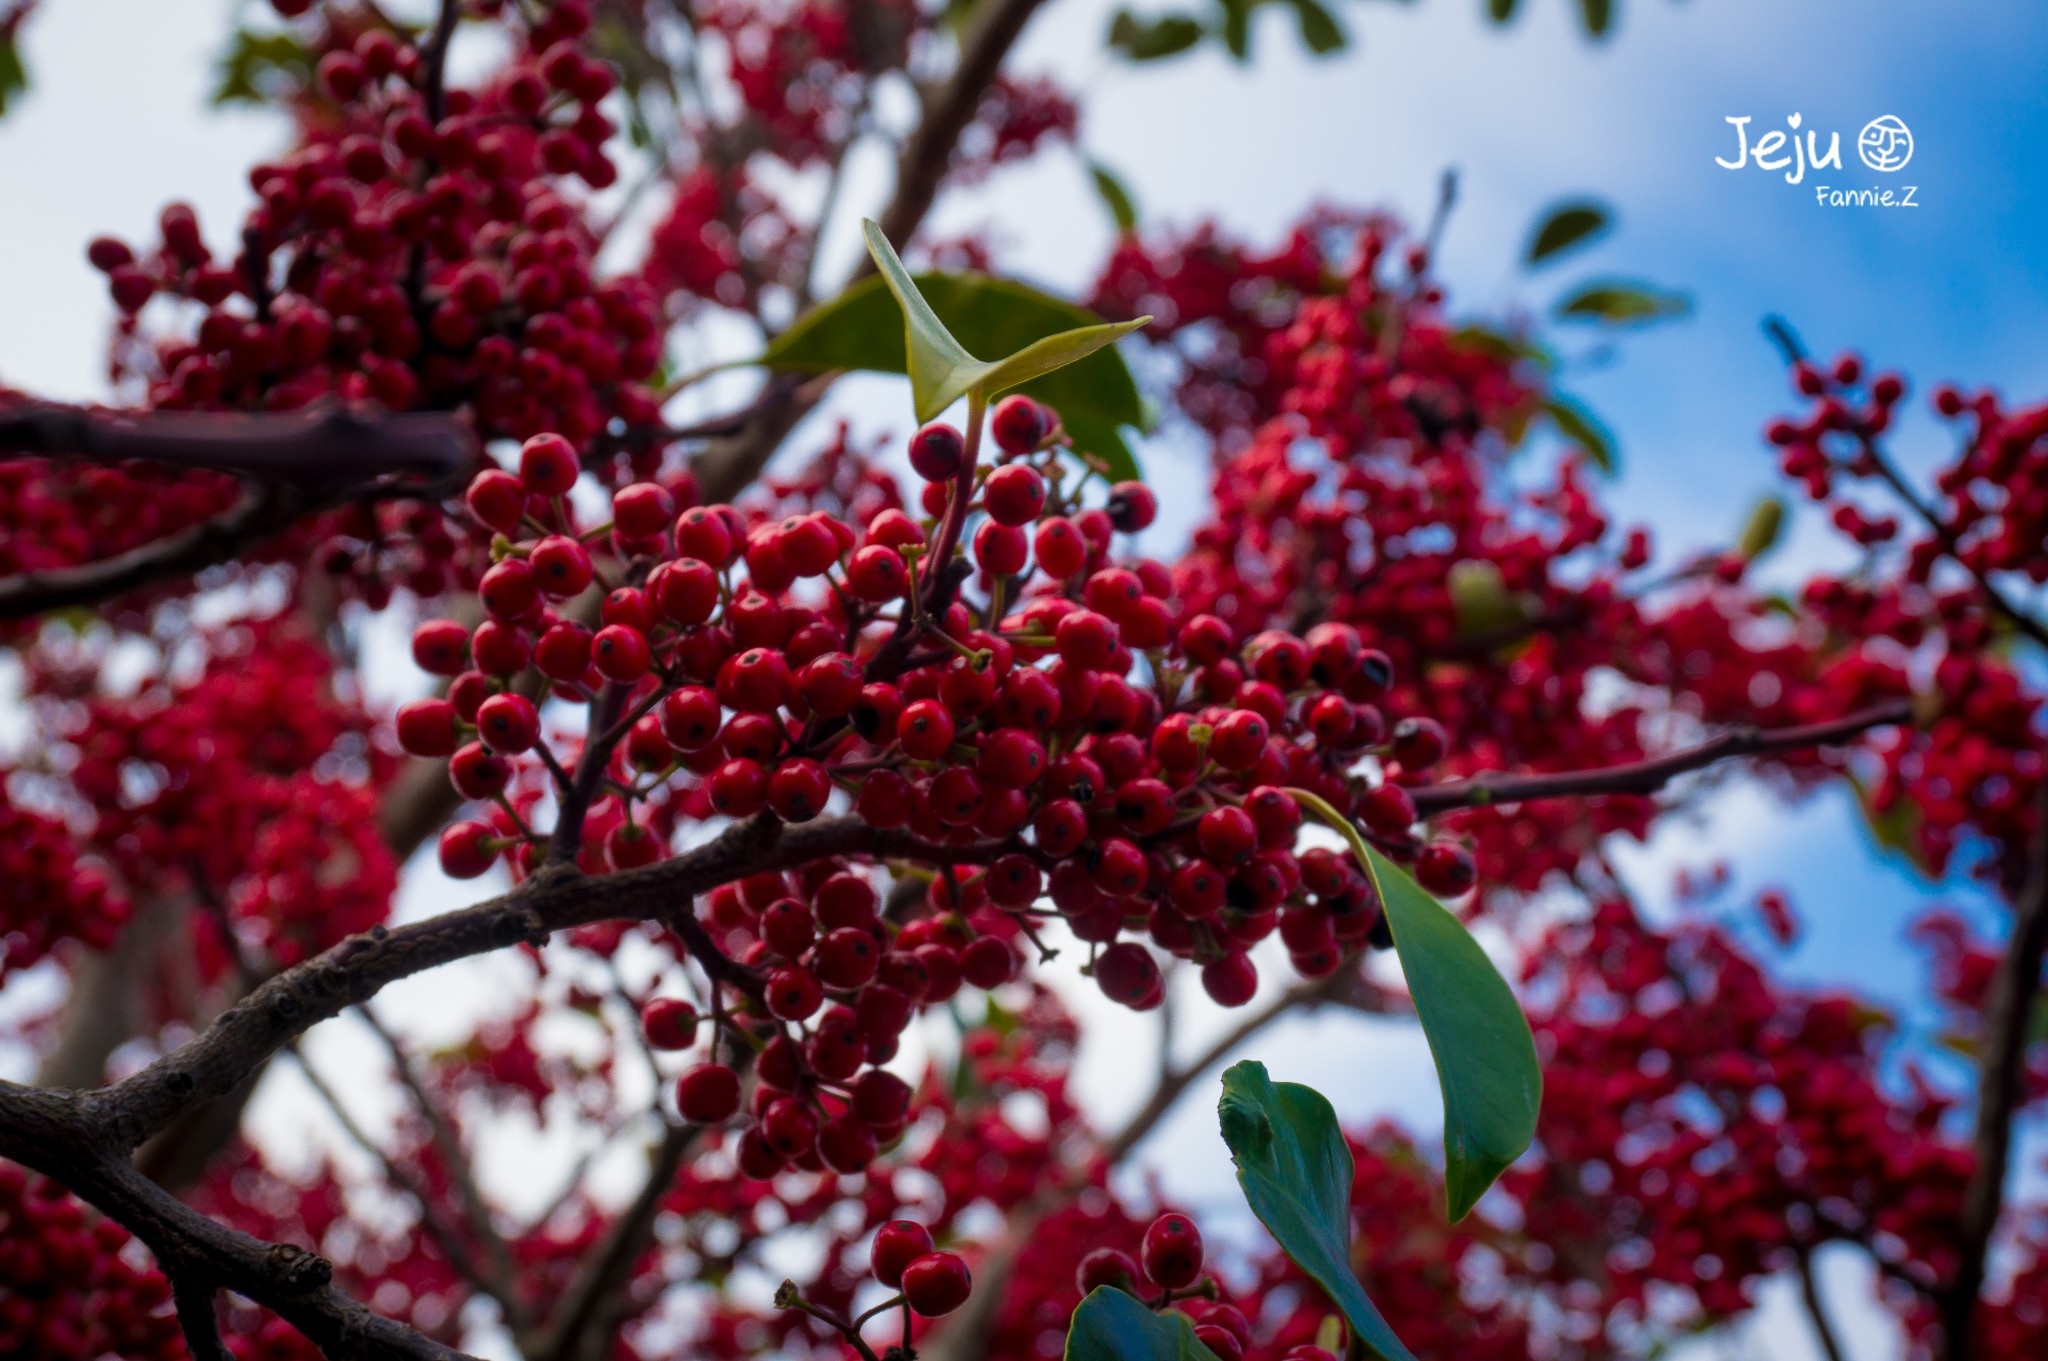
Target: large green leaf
1566,225
1113,1326
261,68
1296,1171
1597,15
1321,33
1619,302
1485,1055
863,328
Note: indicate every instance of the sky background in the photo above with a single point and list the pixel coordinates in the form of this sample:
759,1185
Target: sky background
1954,289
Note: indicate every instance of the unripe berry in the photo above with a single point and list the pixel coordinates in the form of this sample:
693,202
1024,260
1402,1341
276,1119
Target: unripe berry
1172,1252
936,1284
936,452
898,1243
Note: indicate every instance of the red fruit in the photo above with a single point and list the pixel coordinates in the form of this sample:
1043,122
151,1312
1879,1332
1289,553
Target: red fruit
1172,1252
1231,980
793,993
440,647
1060,549
685,591
1238,741
1132,507
846,1145
1205,640
898,1243
1220,1341
642,510
563,652
508,723
1013,495
999,550
497,499
925,729
739,788
547,465
466,850
831,684
561,566
881,1098
1120,869
477,774
1060,827
426,727
620,652
704,534
689,718
1106,1267
877,573
1018,424
936,1283
1086,640
630,846
756,681
1127,973
708,1094
847,958
509,590
1388,810
789,1126
1227,836
936,452
669,1023
499,648
1419,743
1446,869
988,963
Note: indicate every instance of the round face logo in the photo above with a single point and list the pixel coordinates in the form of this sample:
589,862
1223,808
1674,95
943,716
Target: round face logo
1885,144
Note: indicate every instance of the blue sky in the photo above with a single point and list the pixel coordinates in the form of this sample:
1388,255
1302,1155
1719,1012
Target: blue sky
1953,289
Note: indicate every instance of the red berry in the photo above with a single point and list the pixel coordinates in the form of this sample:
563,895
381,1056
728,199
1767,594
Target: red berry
988,963
561,566
620,652
877,573
1419,743
708,1094
1446,869
898,1243
1127,973
1172,1253
669,1023
1106,1268
739,788
642,510
466,850
439,646
508,723
1231,980
925,729
497,499
936,1283
478,774
936,452
1018,424
1132,507
1013,495
426,727
1060,549
547,465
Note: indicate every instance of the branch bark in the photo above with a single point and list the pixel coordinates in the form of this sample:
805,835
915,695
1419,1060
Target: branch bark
1647,777
2008,1024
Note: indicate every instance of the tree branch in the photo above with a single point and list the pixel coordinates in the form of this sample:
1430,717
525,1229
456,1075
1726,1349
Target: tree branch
2008,1024
1816,1309
1647,777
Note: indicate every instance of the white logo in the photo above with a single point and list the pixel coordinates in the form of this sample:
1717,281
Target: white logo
1885,143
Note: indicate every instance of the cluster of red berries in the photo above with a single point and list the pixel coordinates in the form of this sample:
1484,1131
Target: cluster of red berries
70,1283
933,1283
53,893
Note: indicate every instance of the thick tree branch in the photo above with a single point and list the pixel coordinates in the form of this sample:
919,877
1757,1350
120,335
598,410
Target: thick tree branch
1647,777
292,465
2008,1026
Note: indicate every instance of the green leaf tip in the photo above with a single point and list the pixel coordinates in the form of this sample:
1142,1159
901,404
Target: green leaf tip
941,369
1111,1325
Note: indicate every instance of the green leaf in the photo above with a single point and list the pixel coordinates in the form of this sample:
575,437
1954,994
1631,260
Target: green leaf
1320,31
1115,195
1296,1171
864,328
259,68
940,368
1237,27
1582,428
1481,602
1765,526
13,75
1485,1055
1623,303
1153,39
1597,15
1111,1325
1500,11
1566,225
